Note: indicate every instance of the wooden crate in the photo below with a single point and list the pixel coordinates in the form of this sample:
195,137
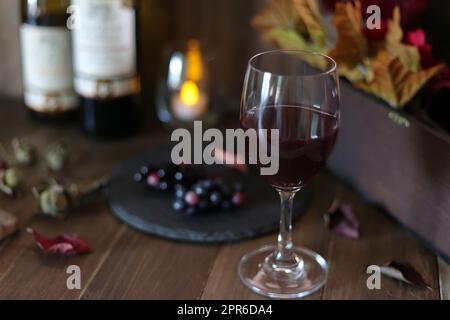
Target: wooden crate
396,162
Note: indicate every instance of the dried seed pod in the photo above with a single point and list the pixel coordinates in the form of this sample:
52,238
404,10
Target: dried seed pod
56,156
54,201
9,181
57,200
24,152
11,178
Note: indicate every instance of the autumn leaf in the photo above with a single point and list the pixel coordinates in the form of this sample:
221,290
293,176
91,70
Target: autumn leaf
382,84
393,81
405,272
408,55
407,82
342,221
291,40
351,45
63,244
310,16
280,14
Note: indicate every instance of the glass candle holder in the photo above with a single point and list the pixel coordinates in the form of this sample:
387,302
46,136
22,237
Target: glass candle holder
184,92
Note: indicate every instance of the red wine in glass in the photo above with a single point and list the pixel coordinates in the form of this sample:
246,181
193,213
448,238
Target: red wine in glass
307,136
297,93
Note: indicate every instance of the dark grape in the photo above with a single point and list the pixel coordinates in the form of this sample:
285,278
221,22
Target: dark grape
178,176
163,186
199,190
161,173
144,170
178,205
153,180
180,192
191,198
238,199
138,177
215,198
193,192
207,184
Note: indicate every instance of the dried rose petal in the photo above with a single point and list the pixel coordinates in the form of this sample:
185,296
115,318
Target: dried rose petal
405,272
63,244
342,221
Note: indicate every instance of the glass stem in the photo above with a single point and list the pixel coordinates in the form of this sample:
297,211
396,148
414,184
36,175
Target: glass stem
285,254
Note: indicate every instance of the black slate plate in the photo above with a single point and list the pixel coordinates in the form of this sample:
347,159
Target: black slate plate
152,212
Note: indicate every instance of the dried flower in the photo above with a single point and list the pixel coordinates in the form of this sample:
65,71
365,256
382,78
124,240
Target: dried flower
11,178
62,244
56,156
54,201
405,272
57,200
9,181
24,152
341,219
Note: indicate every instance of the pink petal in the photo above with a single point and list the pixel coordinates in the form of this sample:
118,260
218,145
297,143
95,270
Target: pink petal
416,38
63,244
341,220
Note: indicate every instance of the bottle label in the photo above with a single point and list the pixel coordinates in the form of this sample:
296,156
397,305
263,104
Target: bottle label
104,39
47,68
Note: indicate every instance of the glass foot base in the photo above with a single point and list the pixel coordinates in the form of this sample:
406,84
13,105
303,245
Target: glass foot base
255,275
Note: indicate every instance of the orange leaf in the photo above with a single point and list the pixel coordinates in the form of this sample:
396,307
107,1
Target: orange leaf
382,84
408,55
393,81
351,46
407,82
310,15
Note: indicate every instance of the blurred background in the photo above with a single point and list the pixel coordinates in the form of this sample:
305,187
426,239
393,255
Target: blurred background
224,24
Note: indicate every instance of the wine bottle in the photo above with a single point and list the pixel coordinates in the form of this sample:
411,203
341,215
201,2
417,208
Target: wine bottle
46,60
105,65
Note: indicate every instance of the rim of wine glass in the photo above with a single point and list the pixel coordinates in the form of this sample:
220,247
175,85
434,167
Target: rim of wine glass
330,70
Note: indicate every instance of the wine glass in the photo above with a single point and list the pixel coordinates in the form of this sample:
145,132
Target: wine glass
283,91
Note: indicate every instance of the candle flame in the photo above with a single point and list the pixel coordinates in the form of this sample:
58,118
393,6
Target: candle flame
194,61
189,93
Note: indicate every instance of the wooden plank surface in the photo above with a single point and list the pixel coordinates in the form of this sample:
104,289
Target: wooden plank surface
131,265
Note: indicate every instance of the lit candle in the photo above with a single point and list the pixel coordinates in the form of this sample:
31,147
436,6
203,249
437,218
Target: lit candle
189,104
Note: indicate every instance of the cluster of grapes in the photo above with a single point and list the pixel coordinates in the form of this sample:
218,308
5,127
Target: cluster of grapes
193,193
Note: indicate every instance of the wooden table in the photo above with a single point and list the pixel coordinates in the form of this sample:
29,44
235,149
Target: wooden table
127,264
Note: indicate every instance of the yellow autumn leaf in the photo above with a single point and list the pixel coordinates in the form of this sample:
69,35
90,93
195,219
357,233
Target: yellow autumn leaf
408,55
291,40
351,46
311,17
393,81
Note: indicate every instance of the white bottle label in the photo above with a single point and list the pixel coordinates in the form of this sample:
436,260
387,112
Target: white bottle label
47,68
104,40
